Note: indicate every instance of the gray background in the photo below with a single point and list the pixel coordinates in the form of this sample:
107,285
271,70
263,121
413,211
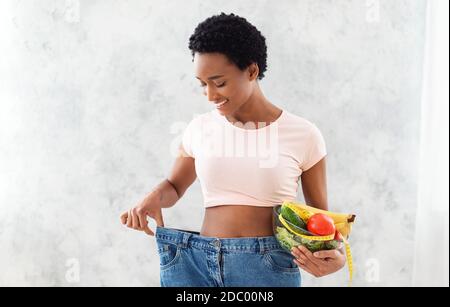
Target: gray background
92,93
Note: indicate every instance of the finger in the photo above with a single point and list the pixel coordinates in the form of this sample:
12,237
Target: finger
144,223
306,269
310,256
312,270
148,231
296,251
129,219
124,217
307,262
159,218
296,259
333,254
299,264
142,218
135,220
298,254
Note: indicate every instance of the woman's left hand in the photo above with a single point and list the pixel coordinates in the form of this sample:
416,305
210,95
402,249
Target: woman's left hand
320,263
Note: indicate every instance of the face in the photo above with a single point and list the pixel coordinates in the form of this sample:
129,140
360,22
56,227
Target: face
223,82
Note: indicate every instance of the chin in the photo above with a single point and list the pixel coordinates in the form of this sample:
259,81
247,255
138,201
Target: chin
223,111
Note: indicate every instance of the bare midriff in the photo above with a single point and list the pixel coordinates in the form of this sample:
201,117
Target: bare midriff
234,221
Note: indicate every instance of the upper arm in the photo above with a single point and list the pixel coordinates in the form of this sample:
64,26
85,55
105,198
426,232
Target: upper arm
314,185
183,172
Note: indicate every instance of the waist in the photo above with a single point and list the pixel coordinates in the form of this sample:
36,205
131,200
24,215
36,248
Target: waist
233,221
196,240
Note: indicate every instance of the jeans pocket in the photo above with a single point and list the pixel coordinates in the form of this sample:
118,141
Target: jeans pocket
168,255
281,261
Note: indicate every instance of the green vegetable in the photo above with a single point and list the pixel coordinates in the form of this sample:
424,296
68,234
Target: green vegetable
290,216
314,246
285,238
288,240
333,244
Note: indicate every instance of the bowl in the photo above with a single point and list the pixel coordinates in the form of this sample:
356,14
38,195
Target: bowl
289,235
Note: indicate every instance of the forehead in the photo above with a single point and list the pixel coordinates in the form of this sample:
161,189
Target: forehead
208,64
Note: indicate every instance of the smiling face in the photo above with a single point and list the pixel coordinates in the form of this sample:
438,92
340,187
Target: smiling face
223,82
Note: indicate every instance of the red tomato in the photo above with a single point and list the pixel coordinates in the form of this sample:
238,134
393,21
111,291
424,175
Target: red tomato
321,224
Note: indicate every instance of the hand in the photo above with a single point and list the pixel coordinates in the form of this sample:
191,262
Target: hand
320,263
136,217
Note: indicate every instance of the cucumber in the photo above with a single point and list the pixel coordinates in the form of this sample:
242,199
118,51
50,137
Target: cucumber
290,216
333,244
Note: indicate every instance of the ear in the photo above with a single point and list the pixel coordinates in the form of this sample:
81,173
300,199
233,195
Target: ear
253,71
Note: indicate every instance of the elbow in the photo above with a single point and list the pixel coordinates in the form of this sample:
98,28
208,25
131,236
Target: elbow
177,190
319,203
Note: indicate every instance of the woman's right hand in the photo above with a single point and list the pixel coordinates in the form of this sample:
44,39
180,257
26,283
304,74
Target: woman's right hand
136,218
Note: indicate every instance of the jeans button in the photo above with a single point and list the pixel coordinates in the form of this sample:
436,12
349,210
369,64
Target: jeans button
216,243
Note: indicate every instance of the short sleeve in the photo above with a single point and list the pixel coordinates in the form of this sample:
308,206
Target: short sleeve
317,149
187,139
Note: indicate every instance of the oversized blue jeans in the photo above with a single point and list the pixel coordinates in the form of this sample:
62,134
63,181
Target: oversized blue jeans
188,259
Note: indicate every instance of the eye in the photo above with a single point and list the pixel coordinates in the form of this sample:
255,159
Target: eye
218,85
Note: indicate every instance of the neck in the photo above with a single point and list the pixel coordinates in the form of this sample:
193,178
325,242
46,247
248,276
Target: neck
256,109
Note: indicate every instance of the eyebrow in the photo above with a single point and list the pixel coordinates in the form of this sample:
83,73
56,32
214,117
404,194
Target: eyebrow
212,77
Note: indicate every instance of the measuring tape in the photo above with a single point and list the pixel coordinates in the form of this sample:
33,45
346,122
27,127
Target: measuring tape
348,252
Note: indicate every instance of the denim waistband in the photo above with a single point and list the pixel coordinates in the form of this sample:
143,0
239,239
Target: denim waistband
187,238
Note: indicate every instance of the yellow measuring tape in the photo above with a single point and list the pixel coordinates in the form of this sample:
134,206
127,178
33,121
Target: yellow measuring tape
348,252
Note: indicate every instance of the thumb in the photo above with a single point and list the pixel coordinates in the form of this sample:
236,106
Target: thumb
159,218
325,254
148,231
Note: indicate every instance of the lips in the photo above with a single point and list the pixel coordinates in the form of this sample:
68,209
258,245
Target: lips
220,104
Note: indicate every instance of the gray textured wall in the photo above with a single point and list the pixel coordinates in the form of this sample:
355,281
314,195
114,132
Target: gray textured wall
89,91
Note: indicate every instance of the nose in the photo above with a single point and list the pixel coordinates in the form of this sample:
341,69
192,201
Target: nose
210,93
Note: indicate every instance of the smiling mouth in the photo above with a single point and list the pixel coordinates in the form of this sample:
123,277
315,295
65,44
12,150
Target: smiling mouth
220,104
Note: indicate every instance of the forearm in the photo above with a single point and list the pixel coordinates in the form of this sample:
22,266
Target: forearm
164,194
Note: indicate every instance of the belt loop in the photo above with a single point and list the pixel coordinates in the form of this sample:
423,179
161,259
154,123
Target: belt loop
185,239
262,247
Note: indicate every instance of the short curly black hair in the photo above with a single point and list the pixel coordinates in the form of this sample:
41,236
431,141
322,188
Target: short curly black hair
232,36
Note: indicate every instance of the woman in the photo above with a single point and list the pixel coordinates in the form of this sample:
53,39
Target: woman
236,246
